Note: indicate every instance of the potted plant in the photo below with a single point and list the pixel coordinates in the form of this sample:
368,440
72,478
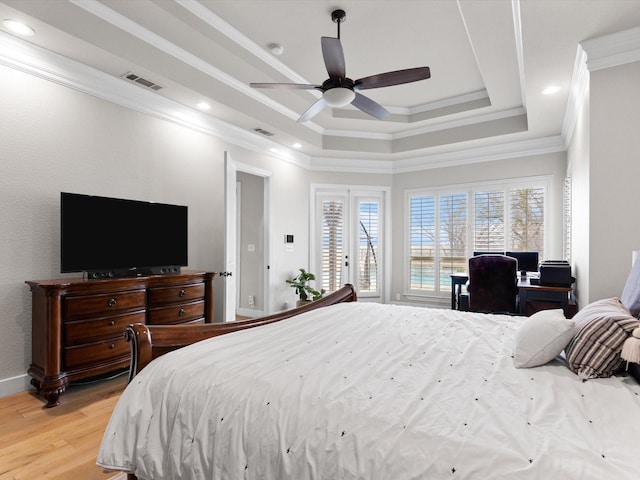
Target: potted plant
305,292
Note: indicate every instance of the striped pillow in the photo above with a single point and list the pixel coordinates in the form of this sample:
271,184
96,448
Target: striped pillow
601,329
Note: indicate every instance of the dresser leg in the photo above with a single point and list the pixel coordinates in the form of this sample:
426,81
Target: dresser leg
50,388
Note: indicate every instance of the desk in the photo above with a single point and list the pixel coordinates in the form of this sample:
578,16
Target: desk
532,298
457,281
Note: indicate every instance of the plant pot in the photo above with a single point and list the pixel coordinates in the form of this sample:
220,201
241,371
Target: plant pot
300,303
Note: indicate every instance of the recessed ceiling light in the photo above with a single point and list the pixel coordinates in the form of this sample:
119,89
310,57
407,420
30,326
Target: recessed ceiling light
296,145
276,49
550,90
203,106
18,28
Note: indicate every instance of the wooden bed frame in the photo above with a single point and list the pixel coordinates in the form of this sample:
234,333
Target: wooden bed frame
150,341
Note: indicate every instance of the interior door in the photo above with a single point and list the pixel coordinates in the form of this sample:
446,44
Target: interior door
230,221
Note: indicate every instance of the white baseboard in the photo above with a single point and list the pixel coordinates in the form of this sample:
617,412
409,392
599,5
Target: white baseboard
11,385
250,312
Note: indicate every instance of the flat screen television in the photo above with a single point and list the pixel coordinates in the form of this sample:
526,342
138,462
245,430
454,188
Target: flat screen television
527,261
114,237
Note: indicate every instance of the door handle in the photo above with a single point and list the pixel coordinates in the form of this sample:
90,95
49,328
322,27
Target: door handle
225,274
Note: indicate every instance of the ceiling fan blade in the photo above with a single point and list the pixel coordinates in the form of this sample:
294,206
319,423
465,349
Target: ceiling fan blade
285,86
333,57
369,106
313,110
393,78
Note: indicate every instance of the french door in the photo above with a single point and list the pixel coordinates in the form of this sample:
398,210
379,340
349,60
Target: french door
348,240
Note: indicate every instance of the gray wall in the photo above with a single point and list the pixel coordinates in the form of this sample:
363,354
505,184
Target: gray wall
251,275
53,139
605,169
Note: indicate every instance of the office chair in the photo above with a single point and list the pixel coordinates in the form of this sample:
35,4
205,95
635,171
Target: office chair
493,284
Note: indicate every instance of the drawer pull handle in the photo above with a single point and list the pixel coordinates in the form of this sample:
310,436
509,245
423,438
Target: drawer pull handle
112,323
112,346
181,312
182,293
112,302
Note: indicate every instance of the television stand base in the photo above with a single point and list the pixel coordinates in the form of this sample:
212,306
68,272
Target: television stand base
133,272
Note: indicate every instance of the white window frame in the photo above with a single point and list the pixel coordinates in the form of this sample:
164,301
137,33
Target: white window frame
543,181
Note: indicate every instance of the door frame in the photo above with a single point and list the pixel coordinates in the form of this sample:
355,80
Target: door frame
231,241
385,292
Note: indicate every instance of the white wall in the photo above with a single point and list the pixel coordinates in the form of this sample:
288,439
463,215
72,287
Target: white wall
614,170
54,139
578,170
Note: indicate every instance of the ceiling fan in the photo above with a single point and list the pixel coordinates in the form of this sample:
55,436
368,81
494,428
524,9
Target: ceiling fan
339,90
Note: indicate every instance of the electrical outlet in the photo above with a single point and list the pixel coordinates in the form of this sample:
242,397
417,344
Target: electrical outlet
251,301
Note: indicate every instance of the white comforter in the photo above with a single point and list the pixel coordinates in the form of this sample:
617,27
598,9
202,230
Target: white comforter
371,391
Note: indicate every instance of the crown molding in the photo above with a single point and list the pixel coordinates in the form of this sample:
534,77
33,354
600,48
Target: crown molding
612,50
42,63
592,55
503,151
123,23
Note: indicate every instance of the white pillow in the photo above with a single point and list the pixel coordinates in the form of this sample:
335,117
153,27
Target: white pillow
541,338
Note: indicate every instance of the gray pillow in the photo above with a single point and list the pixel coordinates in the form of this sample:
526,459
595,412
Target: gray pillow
630,297
601,329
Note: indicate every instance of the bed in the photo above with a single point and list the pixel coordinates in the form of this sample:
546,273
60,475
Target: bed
355,390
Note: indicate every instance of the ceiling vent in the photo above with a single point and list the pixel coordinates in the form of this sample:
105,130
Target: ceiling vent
132,77
262,131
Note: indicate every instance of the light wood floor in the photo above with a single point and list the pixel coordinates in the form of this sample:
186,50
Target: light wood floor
59,443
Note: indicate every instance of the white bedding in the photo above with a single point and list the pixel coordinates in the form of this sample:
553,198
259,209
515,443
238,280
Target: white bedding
369,391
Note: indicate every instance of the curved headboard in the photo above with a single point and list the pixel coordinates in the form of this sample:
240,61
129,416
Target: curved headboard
150,341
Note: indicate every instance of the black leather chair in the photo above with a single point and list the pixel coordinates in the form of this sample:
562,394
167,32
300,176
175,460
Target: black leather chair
493,284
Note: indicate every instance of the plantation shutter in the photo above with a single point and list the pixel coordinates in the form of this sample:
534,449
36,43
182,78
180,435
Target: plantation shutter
488,231
422,242
332,248
453,237
368,245
526,220
566,217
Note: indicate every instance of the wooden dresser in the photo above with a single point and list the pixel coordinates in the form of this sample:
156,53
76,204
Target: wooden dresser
78,324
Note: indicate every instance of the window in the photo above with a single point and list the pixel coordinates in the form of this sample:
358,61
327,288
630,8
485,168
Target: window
446,226
566,219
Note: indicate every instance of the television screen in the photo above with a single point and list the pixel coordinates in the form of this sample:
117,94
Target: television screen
119,237
527,261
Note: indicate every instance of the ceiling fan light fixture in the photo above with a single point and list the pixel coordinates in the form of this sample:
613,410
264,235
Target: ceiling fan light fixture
338,96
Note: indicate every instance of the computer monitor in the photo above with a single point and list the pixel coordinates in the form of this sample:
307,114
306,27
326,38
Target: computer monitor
476,253
527,261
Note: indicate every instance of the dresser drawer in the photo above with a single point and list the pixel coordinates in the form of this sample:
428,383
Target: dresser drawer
95,353
176,314
183,293
95,329
103,304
